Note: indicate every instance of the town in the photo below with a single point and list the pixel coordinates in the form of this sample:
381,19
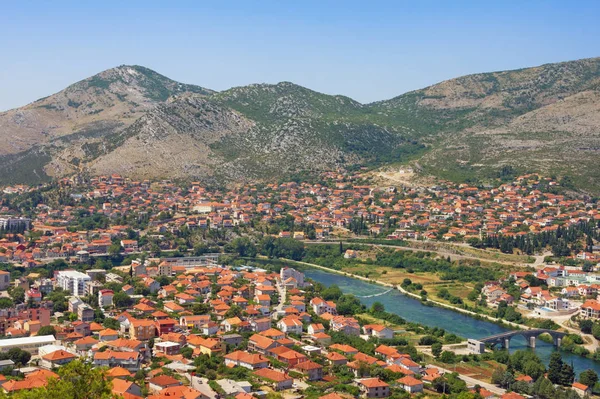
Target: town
185,291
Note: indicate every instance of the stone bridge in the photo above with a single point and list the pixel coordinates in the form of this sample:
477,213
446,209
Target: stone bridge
529,335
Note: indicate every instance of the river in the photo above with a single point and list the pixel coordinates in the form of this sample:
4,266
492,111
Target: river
457,323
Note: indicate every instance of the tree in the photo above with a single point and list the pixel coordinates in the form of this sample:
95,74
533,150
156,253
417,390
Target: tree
17,355
6,303
567,375
18,294
436,349
332,293
586,326
588,377
596,330
558,371
82,381
377,307
114,250
447,357
47,330
121,300
109,322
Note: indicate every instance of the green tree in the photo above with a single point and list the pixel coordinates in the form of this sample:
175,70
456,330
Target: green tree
18,294
447,357
47,330
377,307
109,322
6,303
121,300
555,368
596,330
588,377
436,349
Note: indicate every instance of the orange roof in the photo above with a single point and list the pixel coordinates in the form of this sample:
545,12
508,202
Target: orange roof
272,375
373,383
410,381
58,355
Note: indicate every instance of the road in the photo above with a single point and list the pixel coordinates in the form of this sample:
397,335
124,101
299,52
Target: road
473,381
282,295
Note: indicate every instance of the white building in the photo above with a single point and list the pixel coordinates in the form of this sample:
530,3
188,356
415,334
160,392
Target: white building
105,298
29,344
73,281
10,223
287,272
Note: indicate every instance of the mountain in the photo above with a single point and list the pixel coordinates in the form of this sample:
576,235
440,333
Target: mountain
133,121
545,118
94,107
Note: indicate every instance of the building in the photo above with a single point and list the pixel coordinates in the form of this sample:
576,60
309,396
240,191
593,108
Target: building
410,384
9,223
73,281
475,346
278,379
127,360
142,330
105,298
4,280
85,313
29,344
374,387
288,272
56,359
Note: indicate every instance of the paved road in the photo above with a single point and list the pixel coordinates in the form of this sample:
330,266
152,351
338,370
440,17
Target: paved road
282,295
473,381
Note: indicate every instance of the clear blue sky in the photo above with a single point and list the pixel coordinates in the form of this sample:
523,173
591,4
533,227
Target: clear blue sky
368,50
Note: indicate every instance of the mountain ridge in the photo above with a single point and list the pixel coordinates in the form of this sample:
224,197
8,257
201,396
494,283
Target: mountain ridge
466,128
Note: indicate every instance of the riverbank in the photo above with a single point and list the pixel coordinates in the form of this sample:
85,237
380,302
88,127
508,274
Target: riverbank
475,315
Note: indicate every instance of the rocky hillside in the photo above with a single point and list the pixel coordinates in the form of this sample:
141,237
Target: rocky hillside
545,119
133,121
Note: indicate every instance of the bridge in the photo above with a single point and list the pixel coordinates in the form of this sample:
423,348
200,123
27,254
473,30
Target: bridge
529,335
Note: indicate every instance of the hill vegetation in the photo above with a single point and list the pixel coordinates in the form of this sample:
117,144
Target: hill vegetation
134,121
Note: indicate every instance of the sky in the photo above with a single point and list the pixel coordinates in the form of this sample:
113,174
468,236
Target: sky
367,50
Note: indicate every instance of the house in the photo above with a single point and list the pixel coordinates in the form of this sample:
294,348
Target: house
259,325
336,359
247,360
108,335
347,325
85,313
167,347
208,346
290,324
315,328
276,378
378,331
161,382
581,389
56,359
591,309
142,330
196,321
126,389
105,298
321,306
165,326
311,370
410,384
109,358
261,344
373,387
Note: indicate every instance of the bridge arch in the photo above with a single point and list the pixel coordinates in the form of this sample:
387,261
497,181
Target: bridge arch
529,335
